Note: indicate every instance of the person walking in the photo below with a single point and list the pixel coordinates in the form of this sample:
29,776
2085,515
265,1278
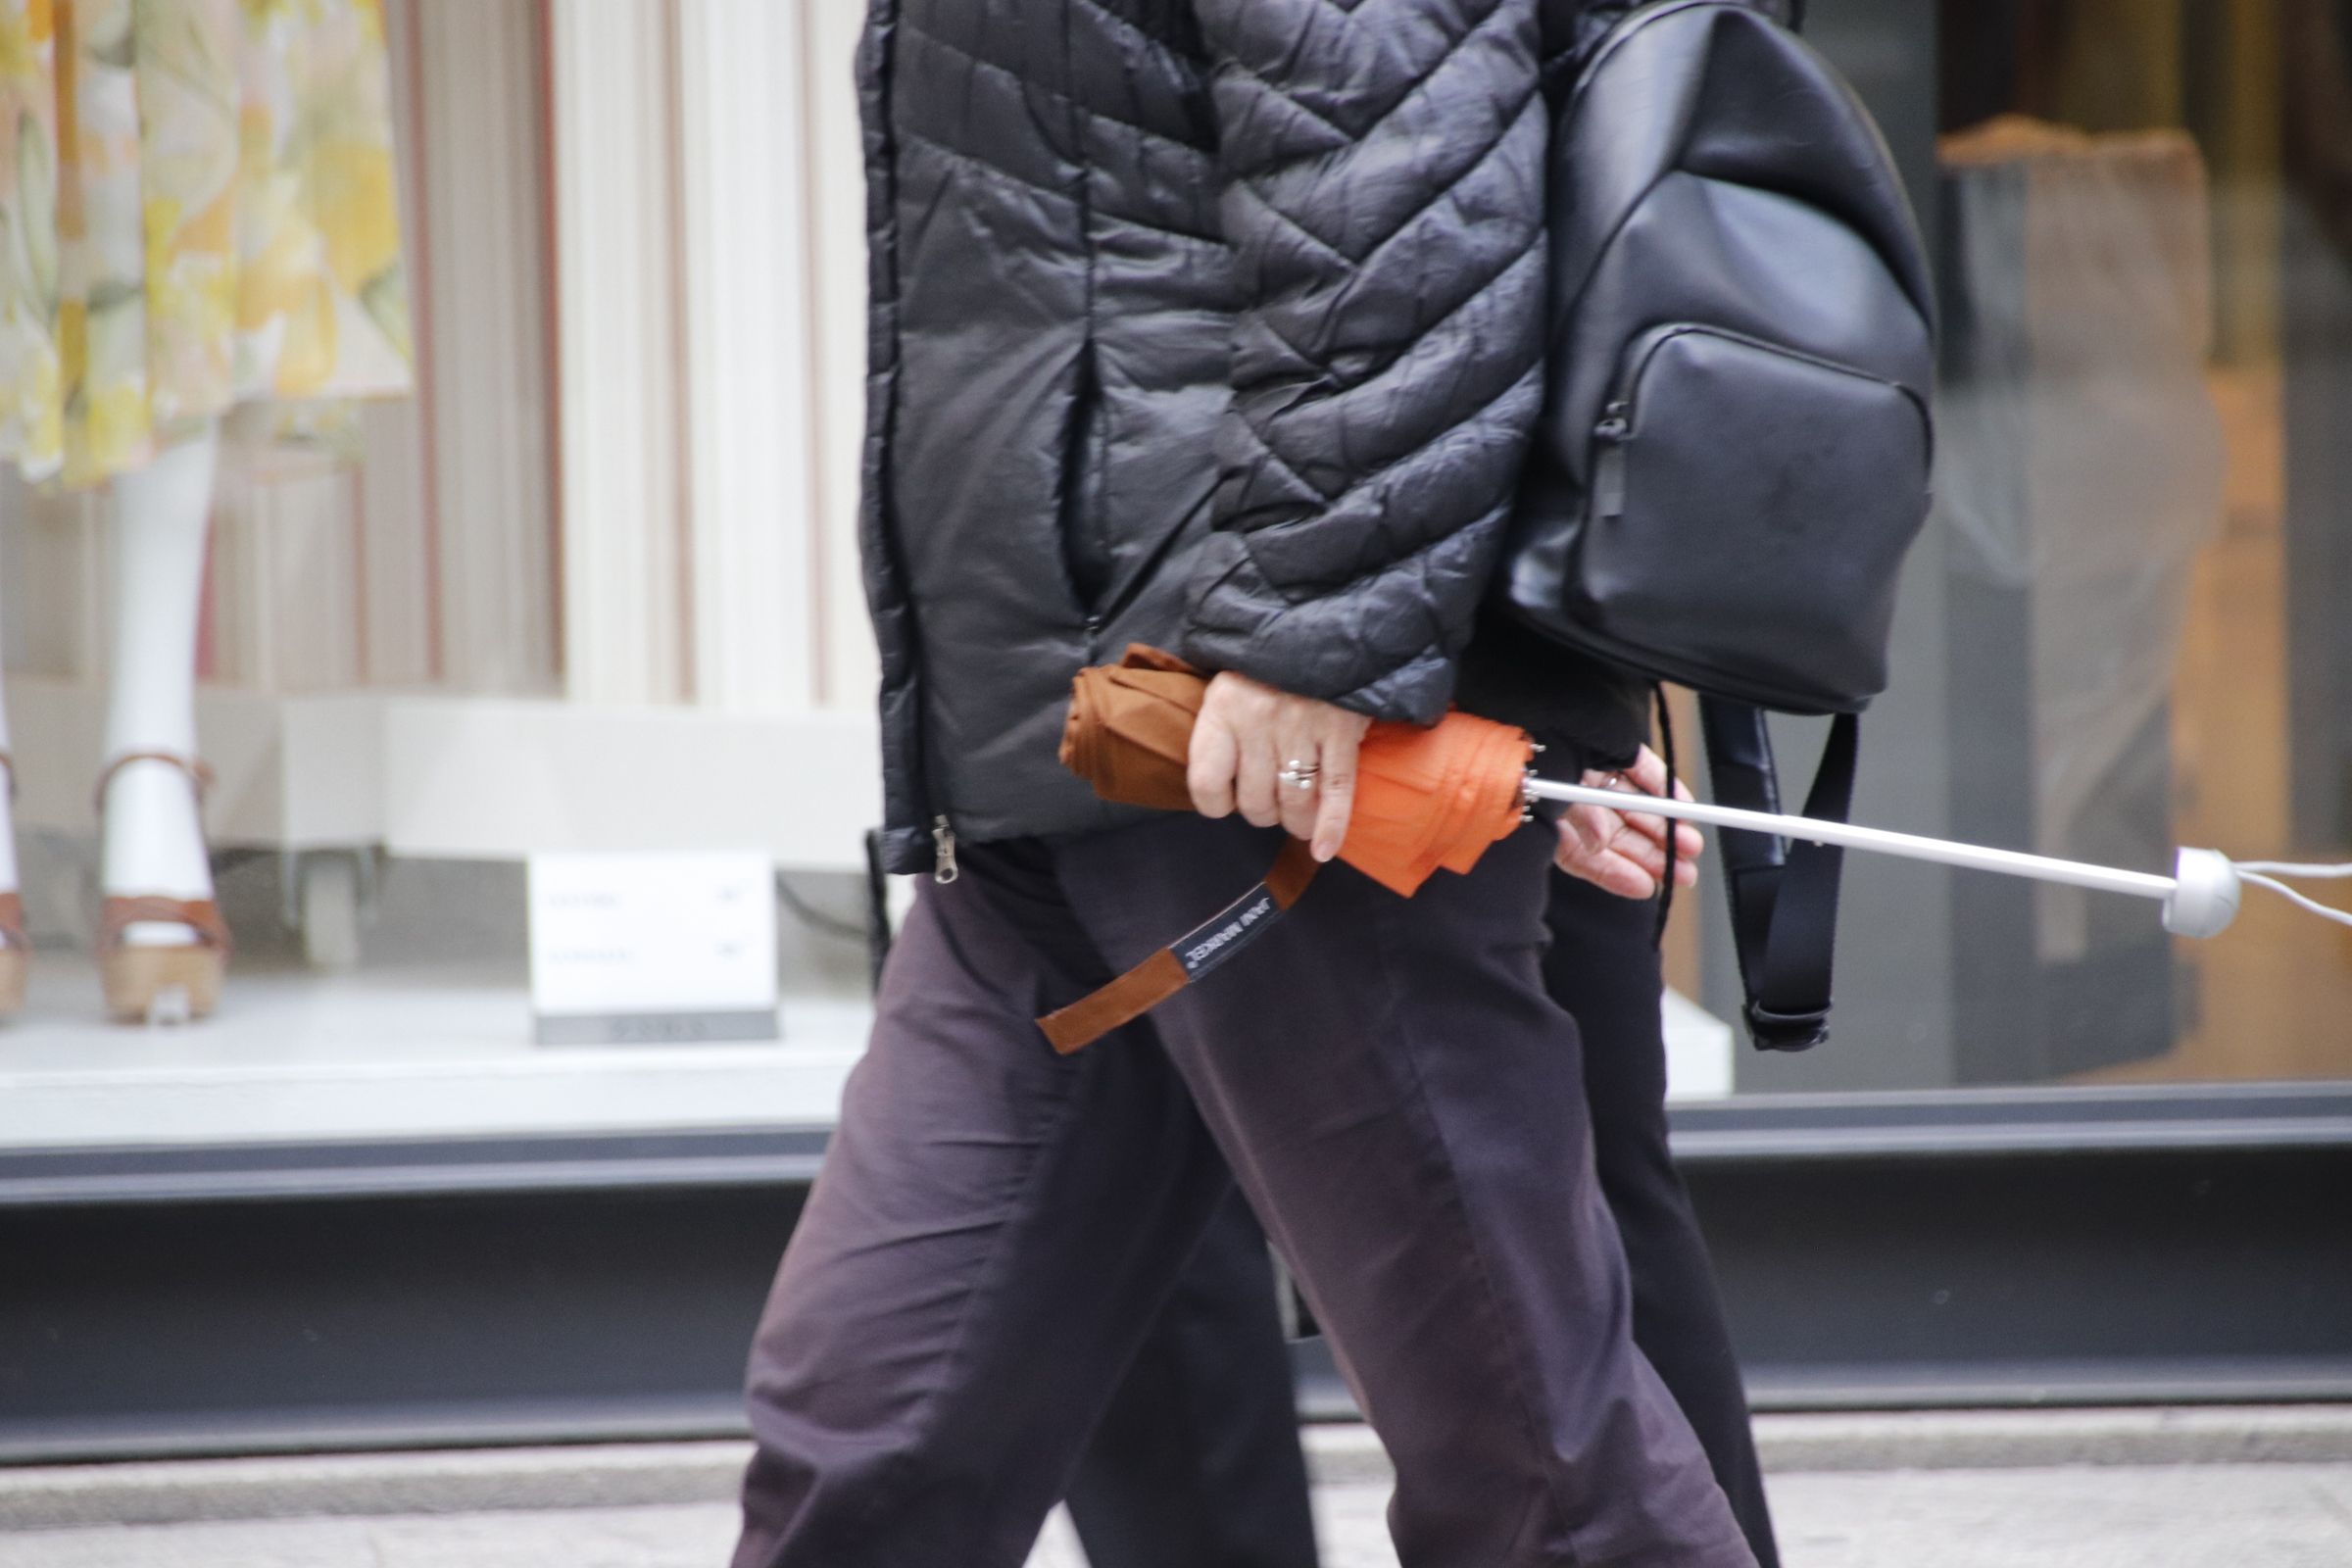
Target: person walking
1219,325
1197,1462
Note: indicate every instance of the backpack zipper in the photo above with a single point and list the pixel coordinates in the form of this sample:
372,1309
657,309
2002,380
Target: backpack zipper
1615,429
1632,383
943,843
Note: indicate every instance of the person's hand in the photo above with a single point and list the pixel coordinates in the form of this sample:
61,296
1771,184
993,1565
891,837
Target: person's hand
1625,852
1277,758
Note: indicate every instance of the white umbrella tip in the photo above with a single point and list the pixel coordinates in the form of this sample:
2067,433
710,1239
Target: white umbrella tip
2204,896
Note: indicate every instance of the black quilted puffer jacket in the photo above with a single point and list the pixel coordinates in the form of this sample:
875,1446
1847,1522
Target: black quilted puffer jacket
1215,324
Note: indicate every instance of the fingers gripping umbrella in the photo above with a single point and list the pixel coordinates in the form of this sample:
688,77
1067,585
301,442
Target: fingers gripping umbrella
1437,798
1425,797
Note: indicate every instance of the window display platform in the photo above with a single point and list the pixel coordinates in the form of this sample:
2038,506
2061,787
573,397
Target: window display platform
435,1052
446,1053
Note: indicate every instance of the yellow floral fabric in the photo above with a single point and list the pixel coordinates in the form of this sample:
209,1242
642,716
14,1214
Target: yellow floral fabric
197,211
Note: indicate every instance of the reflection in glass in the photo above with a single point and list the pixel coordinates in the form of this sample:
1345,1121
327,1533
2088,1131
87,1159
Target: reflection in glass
2130,629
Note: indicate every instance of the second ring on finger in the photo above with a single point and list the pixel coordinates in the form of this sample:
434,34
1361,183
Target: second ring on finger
1300,789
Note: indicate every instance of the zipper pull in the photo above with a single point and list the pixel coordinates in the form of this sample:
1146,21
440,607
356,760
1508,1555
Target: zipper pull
943,841
1609,464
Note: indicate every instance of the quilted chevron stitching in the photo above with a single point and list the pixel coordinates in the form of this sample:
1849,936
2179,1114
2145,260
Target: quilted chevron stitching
1301,401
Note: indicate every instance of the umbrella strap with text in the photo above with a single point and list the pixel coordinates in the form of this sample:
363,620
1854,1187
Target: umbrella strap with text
1187,958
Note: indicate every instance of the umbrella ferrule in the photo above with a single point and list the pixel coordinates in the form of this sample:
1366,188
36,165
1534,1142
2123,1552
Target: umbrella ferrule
2204,896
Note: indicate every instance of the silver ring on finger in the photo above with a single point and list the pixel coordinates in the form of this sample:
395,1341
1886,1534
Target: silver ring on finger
1298,773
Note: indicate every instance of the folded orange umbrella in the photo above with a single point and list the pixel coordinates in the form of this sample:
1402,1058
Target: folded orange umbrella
1426,799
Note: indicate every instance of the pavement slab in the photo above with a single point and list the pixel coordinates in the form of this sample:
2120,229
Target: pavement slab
2083,1516
2259,1486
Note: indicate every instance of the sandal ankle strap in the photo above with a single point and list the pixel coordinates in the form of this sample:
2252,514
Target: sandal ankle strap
121,911
200,777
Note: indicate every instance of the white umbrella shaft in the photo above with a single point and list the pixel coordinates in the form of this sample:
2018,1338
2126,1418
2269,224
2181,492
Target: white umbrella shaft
2201,908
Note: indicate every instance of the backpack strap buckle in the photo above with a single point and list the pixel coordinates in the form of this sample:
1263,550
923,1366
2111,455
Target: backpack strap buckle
1787,1031
1783,895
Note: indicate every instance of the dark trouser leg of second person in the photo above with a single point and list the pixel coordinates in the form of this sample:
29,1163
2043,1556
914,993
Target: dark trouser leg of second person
1603,968
1197,1462
1404,1105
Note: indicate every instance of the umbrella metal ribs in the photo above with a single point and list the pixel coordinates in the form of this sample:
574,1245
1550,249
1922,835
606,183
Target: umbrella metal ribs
2200,897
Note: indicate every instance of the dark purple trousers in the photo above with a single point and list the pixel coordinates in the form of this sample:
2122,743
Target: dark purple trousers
1197,1462
997,1227
1603,967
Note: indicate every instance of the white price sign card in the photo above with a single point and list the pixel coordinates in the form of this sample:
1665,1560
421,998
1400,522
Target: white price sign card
647,948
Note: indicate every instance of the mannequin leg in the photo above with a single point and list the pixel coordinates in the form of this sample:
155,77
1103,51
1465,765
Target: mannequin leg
153,835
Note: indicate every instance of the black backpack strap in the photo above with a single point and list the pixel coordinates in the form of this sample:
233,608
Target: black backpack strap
879,935
1657,936
1783,896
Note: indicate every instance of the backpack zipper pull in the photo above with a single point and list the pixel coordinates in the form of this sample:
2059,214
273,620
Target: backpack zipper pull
1608,479
942,842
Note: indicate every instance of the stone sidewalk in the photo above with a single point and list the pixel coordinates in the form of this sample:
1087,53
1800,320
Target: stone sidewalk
2250,1489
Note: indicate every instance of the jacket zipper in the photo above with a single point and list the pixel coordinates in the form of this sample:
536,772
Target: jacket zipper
943,843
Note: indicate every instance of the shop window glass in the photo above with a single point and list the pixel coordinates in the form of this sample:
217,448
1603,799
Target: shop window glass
595,585
2127,627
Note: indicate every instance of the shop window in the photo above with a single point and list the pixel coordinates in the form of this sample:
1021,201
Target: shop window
2126,628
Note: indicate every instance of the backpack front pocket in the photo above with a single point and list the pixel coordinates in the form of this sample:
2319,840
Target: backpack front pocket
1750,509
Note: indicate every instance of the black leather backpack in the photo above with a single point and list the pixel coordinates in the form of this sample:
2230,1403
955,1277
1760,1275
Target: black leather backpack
1734,454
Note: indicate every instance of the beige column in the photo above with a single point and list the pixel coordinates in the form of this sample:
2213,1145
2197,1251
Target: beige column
837,284
483,273
745,276
622,478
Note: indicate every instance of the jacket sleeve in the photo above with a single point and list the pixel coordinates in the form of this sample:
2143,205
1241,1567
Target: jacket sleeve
1383,170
